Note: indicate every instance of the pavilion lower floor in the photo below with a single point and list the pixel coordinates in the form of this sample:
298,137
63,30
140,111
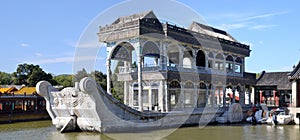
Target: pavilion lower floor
165,96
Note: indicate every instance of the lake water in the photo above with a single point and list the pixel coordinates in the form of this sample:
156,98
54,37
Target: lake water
40,130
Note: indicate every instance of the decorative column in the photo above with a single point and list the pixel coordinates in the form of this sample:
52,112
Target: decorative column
181,97
125,92
161,96
242,96
249,94
180,57
194,62
140,92
233,94
213,92
150,98
196,96
224,95
108,76
207,95
219,97
166,96
130,96
164,56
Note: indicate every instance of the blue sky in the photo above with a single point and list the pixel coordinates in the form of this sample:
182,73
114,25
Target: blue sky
47,33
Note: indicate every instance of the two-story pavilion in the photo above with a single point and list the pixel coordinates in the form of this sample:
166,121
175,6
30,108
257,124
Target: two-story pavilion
164,67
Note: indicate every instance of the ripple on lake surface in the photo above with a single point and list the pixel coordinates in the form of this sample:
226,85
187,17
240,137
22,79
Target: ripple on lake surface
40,130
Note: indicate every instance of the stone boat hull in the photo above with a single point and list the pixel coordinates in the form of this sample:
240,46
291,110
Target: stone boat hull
90,108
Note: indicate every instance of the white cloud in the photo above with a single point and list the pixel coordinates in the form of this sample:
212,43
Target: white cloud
263,16
24,45
232,26
63,60
261,27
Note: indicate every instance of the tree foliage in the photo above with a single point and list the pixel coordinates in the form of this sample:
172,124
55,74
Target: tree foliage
100,78
30,75
79,75
117,87
5,78
64,80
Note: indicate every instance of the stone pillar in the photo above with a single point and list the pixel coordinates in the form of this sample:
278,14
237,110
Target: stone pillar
195,95
206,62
249,93
207,95
140,91
233,94
156,62
219,97
108,76
126,93
150,98
130,96
224,95
182,95
161,96
166,97
180,57
213,92
194,62
242,96
164,56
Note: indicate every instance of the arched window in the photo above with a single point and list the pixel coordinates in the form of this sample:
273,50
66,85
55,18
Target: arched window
229,63
151,54
188,94
173,54
238,65
188,57
219,62
173,94
238,60
200,59
219,56
202,86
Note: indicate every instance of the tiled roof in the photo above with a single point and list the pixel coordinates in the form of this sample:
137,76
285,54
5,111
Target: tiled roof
279,79
8,89
124,19
295,74
211,31
27,90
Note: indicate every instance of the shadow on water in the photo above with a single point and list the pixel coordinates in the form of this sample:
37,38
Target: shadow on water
40,130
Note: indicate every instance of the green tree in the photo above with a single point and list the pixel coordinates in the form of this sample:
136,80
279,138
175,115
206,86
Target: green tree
5,78
64,80
100,78
117,87
79,75
30,74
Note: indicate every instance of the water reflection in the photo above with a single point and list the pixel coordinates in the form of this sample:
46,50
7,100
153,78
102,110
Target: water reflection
44,130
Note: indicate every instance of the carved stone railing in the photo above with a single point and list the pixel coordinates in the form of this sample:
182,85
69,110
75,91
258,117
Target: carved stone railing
123,69
150,68
234,74
202,70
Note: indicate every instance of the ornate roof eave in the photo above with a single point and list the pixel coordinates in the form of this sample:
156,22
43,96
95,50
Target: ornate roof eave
295,74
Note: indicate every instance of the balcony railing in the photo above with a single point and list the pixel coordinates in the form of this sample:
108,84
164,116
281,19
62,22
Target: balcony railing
123,69
156,68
